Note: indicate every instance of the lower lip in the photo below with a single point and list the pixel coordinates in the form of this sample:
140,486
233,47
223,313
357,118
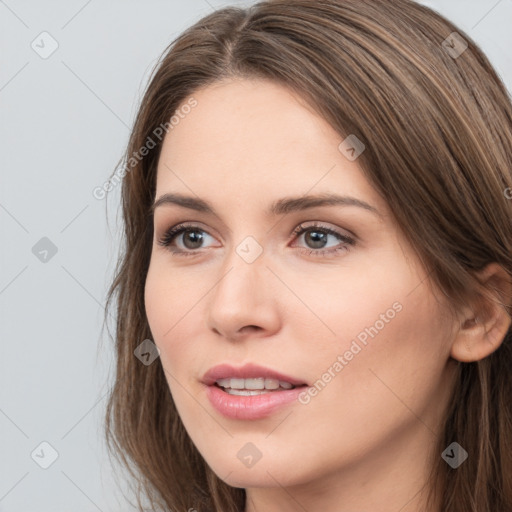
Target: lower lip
250,407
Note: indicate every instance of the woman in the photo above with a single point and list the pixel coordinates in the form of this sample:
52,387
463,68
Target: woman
314,295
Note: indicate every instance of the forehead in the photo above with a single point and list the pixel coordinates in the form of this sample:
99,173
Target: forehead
256,138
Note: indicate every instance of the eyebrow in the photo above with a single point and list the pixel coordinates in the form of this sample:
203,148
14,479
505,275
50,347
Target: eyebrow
278,207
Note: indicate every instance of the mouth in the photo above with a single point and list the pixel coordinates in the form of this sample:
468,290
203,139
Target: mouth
251,391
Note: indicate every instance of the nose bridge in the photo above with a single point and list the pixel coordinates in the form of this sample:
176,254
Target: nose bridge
243,272
239,297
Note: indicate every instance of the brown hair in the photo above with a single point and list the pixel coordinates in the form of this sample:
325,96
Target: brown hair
437,127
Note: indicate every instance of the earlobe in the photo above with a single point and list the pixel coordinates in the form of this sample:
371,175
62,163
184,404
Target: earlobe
484,326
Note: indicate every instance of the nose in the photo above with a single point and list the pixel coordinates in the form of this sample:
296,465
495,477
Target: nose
244,302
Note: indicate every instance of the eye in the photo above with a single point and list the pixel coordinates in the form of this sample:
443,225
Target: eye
317,236
192,240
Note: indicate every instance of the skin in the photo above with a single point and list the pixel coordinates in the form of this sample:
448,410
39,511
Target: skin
363,442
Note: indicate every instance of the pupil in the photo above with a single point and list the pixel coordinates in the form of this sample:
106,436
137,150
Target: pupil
311,234
193,234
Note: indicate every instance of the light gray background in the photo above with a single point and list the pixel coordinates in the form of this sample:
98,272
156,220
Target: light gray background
64,124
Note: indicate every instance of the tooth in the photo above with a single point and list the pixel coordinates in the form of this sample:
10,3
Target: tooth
271,383
237,383
258,383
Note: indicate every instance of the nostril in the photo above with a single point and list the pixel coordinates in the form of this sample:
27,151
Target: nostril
248,329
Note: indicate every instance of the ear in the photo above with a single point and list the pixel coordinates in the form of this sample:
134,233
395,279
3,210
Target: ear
483,325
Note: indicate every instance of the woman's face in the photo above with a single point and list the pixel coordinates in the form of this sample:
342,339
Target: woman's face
351,312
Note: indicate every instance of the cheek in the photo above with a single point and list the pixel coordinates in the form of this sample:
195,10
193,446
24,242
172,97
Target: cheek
161,311
388,360
155,298
166,297
389,340
169,305
366,305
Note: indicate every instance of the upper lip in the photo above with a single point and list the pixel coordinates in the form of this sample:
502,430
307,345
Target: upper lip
247,371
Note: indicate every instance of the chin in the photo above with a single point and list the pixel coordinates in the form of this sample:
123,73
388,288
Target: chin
260,474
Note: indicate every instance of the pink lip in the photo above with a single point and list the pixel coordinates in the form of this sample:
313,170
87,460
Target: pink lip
249,407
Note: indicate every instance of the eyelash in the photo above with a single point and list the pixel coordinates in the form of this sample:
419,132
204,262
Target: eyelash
169,236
